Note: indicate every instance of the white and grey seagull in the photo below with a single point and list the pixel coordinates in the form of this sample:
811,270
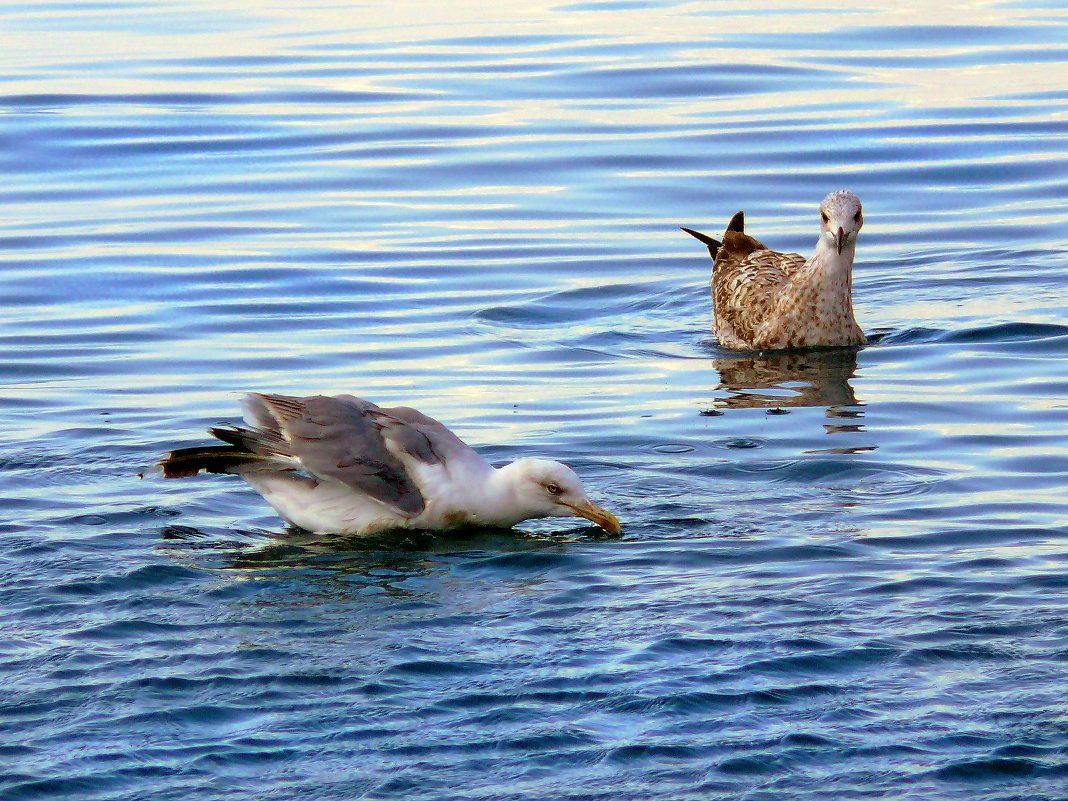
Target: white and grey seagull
765,300
342,465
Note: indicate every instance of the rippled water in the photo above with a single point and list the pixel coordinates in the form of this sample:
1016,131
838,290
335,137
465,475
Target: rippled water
842,574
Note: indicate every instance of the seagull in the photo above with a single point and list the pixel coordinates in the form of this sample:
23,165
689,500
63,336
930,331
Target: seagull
765,300
342,465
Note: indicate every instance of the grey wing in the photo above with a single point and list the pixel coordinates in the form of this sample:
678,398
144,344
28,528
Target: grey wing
339,439
423,437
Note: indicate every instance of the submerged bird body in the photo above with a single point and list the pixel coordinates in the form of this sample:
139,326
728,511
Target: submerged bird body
766,300
343,465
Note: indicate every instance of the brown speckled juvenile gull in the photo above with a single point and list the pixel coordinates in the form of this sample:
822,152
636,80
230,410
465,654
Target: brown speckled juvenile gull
765,300
342,465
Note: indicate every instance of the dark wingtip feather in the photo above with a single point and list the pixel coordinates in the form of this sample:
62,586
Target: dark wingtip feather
698,235
266,443
737,223
231,436
713,244
186,462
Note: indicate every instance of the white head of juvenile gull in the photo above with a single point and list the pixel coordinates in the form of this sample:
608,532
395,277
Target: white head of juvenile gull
766,300
342,465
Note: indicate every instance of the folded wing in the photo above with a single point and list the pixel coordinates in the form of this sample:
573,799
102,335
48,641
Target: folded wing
343,439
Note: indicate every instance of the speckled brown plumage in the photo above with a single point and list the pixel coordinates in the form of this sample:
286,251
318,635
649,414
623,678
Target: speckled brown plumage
766,300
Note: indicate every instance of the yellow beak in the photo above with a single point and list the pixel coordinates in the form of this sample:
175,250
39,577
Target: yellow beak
596,514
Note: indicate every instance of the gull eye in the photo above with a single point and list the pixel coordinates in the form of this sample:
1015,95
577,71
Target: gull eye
856,217
552,489
826,219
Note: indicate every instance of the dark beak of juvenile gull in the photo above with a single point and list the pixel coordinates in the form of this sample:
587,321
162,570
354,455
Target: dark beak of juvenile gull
841,239
596,514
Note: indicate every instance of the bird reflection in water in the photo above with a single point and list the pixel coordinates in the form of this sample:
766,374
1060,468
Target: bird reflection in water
393,563
326,565
781,380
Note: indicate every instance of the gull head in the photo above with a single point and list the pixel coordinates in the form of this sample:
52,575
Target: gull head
841,219
550,489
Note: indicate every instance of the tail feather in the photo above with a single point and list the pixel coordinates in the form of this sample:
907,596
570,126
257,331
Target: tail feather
186,462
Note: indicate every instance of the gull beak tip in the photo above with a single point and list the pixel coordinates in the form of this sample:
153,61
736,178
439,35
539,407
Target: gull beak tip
610,523
602,517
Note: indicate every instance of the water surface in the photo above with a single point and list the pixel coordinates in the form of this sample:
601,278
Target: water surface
842,573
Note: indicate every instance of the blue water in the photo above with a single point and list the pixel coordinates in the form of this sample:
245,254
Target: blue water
842,575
